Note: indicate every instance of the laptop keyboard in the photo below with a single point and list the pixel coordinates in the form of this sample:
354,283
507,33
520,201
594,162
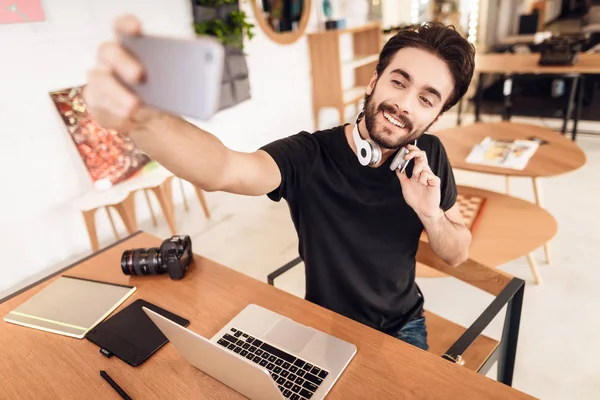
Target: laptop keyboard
296,378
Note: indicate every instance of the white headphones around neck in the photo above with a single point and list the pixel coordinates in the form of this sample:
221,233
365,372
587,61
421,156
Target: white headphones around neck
369,152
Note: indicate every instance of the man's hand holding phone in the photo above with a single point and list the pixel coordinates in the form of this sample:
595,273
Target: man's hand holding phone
422,191
106,95
138,75
142,85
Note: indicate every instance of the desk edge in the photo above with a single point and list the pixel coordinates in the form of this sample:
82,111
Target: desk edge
60,271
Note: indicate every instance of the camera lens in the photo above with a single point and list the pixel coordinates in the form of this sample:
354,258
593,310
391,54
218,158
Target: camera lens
142,262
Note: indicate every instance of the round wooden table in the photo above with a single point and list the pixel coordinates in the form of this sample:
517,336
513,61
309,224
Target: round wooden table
508,228
560,155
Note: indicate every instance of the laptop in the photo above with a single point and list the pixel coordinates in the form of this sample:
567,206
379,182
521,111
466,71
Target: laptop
264,355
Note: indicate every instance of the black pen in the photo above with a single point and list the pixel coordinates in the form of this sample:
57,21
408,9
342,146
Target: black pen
114,385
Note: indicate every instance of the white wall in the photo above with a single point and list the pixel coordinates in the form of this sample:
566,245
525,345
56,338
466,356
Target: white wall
395,12
41,171
501,19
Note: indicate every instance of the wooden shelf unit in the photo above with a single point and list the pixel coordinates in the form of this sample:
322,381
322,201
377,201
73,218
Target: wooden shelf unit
327,66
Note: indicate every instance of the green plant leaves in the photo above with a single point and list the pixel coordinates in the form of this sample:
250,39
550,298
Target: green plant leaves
231,30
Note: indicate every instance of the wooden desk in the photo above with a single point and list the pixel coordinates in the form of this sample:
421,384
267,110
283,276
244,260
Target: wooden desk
509,64
40,365
509,228
518,39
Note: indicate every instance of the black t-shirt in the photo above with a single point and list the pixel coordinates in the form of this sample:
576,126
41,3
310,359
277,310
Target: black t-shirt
357,236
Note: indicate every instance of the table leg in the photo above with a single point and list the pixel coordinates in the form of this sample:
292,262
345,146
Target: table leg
569,108
185,203
161,195
479,97
89,216
168,190
459,112
112,223
507,91
581,84
537,190
203,202
547,252
152,215
534,270
126,210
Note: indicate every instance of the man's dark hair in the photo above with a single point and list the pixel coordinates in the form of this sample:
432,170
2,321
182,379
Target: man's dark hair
441,40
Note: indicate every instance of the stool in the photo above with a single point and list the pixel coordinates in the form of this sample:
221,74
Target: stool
201,198
121,197
120,200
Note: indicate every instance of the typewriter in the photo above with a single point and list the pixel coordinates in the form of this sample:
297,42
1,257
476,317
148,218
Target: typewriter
560,50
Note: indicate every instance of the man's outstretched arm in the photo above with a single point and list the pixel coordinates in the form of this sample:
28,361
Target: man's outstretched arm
186,150
202,159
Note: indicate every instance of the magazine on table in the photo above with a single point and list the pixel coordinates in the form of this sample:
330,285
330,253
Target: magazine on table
513,154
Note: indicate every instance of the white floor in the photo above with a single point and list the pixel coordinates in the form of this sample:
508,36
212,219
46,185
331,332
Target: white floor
559,346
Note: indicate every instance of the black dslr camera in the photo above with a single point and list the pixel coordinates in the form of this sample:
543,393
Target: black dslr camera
173,256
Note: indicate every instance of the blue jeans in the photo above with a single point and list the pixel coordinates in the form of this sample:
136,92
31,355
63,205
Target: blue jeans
415,333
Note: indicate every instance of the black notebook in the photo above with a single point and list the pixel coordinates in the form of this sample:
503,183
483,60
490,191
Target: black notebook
130,334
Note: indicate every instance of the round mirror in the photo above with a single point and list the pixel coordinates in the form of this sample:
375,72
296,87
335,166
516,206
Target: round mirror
283,21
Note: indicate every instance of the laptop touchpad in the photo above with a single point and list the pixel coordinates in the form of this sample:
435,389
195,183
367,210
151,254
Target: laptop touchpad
290,335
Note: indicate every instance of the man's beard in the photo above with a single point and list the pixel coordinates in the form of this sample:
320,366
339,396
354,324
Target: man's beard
385,136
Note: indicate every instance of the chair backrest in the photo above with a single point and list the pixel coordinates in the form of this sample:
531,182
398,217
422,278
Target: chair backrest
481,276
508,291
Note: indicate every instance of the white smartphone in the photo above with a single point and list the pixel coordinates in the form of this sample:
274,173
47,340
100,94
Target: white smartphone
182,76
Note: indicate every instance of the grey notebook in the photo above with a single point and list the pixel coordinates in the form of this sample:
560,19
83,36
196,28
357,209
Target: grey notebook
70,306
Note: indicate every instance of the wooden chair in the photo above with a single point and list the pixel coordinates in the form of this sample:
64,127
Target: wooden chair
467,346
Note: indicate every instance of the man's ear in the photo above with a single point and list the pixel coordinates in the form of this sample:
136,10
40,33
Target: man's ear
372,83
